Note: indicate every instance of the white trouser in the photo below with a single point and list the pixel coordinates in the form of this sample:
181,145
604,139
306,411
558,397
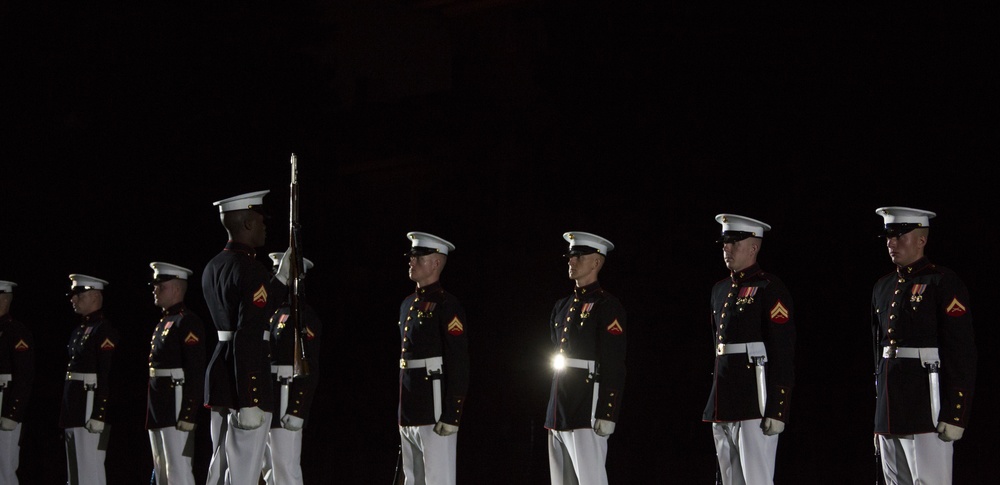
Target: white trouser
10,452
428,459
746,455
217,466
916,459
85,452
237,454
283,457
171,465
577,457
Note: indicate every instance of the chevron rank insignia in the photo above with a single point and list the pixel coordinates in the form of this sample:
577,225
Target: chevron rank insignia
309,334
955,308
779,314
260,297
191,339
107,344
455,327
21,346
615,328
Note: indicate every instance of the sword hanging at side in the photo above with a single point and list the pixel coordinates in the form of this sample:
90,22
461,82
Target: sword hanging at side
300,366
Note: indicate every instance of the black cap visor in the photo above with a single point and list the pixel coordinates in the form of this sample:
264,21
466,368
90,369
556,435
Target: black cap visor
161,278
733,236
79,289
419,251
898,229
580,251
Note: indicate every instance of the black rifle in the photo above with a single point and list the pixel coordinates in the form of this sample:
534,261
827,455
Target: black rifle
300,366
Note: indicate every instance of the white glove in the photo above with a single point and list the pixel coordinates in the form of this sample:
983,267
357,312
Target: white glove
949,432
249,418
771,427
7,424
94,426
284,271
185,426
445,429
604,427
292,423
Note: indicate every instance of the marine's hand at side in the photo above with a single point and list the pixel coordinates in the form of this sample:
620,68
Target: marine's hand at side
249,418
94,426
604,427
291,423
445,429
7,424
771,427
185,426
949,432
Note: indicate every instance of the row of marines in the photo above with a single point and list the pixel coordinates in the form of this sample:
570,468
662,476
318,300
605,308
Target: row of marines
258,405
924,354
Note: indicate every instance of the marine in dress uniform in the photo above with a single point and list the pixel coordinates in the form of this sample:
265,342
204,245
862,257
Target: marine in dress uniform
925,355
17,374
282,457
433,367
84,409
241,294
588,335
176,390
753,326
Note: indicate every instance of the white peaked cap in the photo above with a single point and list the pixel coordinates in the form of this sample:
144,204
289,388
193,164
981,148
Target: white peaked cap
82,281
905,215
276,260
733,222
587,243
424,243
7,286
166,271
242,202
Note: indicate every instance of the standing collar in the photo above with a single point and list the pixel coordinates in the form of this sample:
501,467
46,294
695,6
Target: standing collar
749,271
241,248
913,268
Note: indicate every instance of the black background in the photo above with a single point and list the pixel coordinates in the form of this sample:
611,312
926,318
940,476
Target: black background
499,125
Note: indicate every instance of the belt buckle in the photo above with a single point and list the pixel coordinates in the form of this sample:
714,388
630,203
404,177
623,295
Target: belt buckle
720,349
402,363
892,351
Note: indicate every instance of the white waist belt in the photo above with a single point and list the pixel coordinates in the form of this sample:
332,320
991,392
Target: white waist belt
4,379
227,335
86,377
283,371
928,358
176,373
756,355
926,354
433,366
89,383
431,363
579,364
754,348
